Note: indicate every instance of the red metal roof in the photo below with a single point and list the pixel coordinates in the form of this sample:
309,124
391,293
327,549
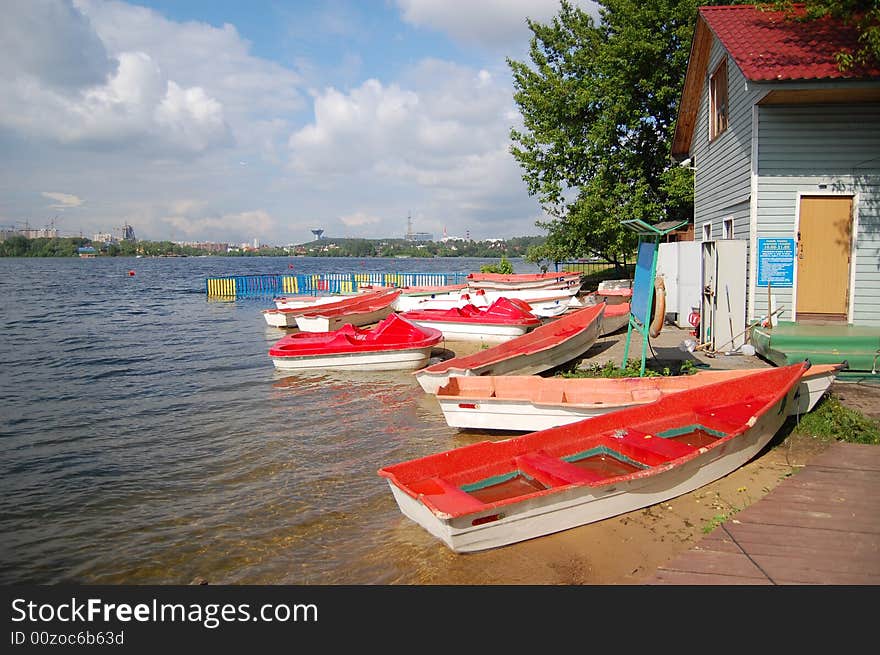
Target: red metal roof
768,46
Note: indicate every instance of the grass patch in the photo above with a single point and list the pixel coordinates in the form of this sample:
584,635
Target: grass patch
611,370
830,419
715,521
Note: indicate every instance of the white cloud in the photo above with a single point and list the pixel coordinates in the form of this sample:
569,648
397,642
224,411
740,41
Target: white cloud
229,227
455,112
444,137
62,200
51,42
149,120
197,54
113,75
135,105
359,218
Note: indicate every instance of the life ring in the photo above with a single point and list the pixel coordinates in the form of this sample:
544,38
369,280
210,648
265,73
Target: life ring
659,307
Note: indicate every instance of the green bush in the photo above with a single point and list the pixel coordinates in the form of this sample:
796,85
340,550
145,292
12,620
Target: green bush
829,419
503,267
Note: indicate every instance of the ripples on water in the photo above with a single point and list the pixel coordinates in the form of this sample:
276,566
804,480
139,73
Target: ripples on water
148,439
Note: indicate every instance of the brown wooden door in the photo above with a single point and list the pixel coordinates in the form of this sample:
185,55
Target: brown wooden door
823,254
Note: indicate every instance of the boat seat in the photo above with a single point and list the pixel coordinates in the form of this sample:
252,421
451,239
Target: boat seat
647,448
550,396
726,418
451,499
553,472
645,395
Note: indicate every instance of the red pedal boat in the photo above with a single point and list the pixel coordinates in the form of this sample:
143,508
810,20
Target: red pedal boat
393,344
501,321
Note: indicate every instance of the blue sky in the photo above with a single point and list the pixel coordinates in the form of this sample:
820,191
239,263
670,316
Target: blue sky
197,120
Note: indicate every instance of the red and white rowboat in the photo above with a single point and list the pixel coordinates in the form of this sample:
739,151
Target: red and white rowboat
527,403
615,317
490,494
549,345
361,310
507,282
287,308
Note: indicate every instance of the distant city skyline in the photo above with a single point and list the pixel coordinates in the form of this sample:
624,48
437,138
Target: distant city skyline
348,116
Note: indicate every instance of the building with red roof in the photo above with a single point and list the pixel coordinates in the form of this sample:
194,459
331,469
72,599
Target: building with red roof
785,148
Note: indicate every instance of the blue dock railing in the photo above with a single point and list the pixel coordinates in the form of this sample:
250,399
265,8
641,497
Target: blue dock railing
244,286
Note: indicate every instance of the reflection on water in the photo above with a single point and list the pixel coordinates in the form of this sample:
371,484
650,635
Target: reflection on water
147,438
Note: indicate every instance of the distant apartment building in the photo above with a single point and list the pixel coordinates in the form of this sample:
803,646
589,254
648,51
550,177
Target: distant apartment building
29,233
203,245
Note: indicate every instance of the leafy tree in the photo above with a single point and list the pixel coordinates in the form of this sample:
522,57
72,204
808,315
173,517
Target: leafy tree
599,107
15,246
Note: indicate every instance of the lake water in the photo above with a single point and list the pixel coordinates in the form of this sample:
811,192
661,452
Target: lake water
148,439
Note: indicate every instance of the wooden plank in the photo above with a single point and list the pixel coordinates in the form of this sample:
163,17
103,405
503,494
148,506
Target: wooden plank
829,564
716,562
787,515
852,506
782,569
763,539
665,577
718,541
847,456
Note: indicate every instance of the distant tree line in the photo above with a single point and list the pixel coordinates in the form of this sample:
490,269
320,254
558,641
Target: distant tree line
515,247
20,246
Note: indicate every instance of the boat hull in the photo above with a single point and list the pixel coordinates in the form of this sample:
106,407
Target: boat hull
577,505
280,319
319,323
529,412
304,302
513,415
502,282
482,332
393,344
411,359
527,362
614,318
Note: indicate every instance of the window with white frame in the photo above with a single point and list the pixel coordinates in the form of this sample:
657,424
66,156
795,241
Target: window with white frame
718,107
707,231
727,228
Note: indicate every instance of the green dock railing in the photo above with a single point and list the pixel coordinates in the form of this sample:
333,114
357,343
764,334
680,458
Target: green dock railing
243,286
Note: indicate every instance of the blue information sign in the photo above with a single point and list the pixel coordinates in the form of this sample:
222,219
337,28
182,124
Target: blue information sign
776,262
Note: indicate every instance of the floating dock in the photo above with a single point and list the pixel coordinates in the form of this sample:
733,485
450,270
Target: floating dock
244,286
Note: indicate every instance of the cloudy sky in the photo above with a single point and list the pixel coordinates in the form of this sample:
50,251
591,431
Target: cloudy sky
226,120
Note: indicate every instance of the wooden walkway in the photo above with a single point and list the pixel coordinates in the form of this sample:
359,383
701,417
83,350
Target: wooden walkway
819,527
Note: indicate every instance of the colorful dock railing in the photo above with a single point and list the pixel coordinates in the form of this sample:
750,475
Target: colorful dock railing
244,286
